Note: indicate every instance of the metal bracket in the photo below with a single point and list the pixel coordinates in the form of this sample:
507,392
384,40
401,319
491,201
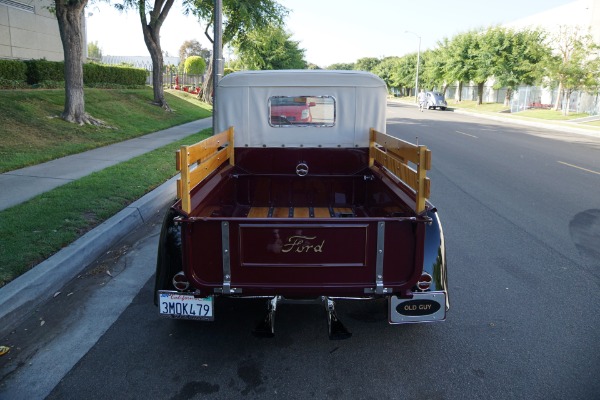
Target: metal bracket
336,328
379,289
227,289
379,262
266,327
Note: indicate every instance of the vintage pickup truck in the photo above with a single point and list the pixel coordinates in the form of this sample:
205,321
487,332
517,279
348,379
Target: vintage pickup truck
302,209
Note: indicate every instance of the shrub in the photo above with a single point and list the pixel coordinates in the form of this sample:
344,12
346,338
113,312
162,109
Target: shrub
44,70
12,84
13,70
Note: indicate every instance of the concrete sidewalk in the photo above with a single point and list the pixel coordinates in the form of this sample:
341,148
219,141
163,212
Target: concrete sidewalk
23,184
20,296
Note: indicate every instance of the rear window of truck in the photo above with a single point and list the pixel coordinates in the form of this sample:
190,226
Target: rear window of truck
315,111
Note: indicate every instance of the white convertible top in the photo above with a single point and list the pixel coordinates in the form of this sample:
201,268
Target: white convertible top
243,102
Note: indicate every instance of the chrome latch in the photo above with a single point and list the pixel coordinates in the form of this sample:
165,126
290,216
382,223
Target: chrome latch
302,169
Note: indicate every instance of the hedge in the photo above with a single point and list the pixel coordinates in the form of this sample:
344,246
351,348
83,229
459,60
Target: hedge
13,70
44,70
121,75
18,73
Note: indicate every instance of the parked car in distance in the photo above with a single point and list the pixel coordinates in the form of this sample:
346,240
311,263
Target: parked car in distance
436,100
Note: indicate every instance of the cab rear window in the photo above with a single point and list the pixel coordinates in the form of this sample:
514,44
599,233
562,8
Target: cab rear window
286,111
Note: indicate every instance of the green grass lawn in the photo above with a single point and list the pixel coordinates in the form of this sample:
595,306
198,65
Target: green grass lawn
32,133
33,231
550,115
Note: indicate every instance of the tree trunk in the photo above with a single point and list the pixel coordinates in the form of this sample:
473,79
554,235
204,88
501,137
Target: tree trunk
445,89
69,15
207,85
568,93
458,96
151,32
558,96
508,96
480,93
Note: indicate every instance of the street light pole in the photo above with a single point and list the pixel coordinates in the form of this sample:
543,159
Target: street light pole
217,57
418,62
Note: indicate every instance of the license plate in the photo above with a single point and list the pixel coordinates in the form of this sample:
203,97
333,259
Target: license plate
185,306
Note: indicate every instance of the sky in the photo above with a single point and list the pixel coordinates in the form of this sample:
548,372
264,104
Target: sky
330,31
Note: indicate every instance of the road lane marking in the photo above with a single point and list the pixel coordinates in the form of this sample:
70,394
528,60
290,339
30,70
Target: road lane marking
581,168
466,134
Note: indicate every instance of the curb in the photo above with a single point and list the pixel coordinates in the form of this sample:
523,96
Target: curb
25,293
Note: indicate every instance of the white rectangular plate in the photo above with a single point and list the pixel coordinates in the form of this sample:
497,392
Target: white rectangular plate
185,306
423,307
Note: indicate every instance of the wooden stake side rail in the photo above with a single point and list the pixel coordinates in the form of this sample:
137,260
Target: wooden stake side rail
395,154
206,155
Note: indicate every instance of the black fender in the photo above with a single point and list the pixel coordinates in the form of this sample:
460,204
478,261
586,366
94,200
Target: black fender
169,258
434,257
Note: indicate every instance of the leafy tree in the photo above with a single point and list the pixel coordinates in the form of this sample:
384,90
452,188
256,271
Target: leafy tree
195,65
575,65
94,51
342,66
366,64
485,50
438,71
193,48
312,66
68,15
519,63
387,70
240,18
457,66
270,48
431,73
152,18
406,73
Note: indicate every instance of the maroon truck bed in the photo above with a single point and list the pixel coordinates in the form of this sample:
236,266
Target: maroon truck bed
290,235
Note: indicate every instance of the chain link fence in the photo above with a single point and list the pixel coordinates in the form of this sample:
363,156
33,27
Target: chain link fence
528,97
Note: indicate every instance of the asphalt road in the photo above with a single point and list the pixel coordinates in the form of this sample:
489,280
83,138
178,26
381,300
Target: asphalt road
521,214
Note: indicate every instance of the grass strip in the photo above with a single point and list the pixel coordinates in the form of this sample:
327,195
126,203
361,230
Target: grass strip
32,133
33,231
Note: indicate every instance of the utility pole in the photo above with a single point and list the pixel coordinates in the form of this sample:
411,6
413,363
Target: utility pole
217,57
418,62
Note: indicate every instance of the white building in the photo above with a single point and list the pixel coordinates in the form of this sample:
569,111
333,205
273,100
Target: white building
28,30
582,13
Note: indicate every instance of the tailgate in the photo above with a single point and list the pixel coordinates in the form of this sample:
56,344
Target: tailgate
348,257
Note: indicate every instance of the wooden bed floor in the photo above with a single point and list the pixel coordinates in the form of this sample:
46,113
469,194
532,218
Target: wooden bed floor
298,212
